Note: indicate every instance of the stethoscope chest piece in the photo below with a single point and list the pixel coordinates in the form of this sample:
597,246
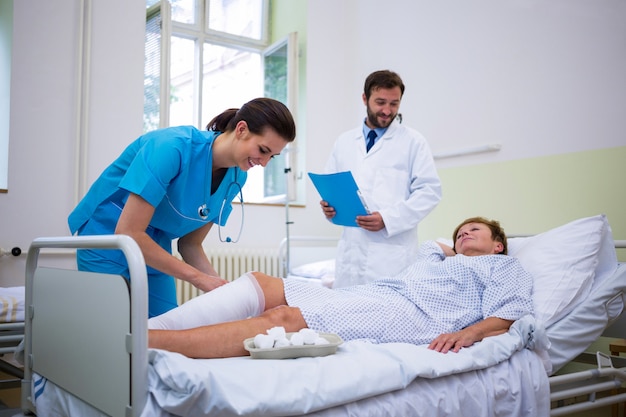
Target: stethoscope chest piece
203,212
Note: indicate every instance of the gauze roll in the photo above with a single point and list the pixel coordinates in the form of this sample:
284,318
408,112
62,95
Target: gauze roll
239,299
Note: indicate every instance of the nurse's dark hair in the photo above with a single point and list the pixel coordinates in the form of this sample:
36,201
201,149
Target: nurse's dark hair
382,79
259,114
497,232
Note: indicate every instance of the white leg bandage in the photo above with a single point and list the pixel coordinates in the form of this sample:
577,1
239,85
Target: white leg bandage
236,300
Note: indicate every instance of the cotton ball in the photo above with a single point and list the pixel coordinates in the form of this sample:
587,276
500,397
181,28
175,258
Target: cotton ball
282,342
277,332
263,341
308,336
321,341
297,339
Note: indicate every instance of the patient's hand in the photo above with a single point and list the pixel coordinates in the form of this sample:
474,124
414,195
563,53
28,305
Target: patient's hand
490,326
454,341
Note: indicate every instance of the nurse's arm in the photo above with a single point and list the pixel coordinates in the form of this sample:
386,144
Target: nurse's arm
190,248
134,221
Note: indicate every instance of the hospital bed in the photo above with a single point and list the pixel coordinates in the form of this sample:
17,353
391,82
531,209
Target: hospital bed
84,357
11,326
11,333
308,258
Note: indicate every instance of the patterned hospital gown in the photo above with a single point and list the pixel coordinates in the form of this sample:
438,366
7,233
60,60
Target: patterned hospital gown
434,295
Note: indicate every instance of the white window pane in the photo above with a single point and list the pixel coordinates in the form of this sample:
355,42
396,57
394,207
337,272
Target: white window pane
237,17
276,73
184,11
152,74
231,77
181,75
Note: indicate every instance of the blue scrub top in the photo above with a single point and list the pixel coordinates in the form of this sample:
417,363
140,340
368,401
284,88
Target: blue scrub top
171,169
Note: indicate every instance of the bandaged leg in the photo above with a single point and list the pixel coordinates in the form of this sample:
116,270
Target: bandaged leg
236,300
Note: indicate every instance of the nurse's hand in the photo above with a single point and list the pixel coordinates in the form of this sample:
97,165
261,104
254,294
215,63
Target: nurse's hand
372,222
208,282
328,210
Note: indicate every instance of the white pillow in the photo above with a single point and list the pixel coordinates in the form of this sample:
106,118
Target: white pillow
315,269
563,262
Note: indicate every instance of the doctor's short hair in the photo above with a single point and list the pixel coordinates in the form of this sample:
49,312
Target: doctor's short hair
382,79
497,232
259,114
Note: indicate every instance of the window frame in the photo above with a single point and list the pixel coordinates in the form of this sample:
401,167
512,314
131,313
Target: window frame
200,33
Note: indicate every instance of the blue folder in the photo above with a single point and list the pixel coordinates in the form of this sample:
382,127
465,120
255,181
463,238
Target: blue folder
342,193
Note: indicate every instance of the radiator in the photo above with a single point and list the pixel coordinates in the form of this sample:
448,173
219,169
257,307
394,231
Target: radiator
232,263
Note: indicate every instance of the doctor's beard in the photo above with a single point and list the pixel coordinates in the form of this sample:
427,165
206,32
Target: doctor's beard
378,119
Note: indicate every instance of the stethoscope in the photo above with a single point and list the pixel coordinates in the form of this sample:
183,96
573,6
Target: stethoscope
203,211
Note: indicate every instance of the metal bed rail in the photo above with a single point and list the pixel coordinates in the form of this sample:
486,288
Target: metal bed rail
137,342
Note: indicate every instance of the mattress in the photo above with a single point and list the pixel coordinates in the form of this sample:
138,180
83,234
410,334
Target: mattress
398,376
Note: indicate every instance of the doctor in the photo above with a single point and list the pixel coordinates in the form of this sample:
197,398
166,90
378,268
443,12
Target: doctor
394,169
176,183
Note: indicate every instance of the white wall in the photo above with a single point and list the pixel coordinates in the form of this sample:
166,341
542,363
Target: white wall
538,77
43,130
6,35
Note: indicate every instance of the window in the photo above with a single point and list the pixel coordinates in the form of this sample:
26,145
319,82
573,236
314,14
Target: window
6,40
204,56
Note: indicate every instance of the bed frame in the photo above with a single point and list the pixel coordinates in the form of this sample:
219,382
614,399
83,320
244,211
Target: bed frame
295,251
120,351
11,334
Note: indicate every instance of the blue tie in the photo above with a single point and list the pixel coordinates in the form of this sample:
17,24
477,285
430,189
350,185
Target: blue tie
371,137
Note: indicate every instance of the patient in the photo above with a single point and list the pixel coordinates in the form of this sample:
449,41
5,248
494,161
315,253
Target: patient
448,298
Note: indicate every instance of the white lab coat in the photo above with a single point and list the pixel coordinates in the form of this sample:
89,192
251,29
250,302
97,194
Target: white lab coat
397,178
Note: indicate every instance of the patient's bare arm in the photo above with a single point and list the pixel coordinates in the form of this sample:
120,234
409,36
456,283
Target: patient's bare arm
447,250
225,340
491,326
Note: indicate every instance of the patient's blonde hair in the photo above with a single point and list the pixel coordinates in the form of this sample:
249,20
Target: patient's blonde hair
497,232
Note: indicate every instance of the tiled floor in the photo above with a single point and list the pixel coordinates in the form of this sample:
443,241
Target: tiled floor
10,398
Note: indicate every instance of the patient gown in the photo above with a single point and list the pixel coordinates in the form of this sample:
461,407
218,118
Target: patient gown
434,295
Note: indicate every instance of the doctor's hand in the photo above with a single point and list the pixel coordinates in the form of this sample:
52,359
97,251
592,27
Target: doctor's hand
372,222
328,210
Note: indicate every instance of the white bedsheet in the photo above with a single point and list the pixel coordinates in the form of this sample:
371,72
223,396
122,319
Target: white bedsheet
180,386
519,386
239,386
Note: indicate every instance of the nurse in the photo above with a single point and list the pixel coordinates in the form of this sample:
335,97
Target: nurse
176,183
394,169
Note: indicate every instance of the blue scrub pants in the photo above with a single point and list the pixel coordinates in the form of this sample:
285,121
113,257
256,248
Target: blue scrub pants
161,287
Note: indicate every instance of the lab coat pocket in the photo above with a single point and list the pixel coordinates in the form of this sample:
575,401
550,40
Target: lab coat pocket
391,185
386,259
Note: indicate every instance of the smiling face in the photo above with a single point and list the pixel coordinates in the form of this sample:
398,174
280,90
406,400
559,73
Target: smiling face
253,150
382,106
474,239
